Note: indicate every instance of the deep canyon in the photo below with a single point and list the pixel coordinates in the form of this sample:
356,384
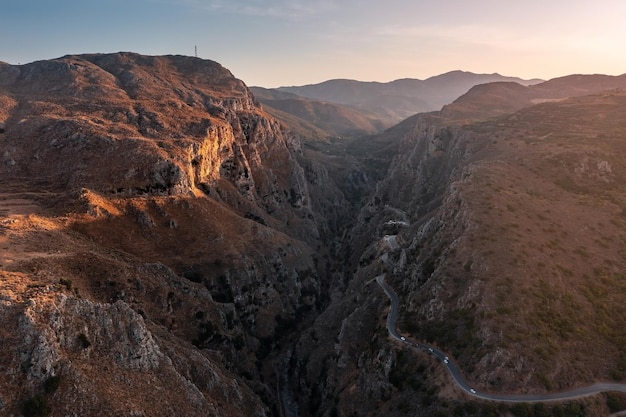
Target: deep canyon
170,248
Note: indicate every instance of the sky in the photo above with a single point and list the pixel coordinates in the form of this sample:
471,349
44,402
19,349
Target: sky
273,43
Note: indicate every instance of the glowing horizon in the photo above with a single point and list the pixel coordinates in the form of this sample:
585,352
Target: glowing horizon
273,43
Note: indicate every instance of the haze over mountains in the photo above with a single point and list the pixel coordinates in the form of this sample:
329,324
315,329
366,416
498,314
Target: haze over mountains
499,98
169,247
402,98
381,103
319,119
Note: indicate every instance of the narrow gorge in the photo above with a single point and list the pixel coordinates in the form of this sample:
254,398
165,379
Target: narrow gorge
170,248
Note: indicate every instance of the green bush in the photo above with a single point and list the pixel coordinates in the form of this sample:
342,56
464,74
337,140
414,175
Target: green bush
616,374
67,283
541,410
51,384
521,410
36,407
84,342
615,402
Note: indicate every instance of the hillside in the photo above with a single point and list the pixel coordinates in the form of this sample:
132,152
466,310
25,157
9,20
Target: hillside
495,99
169,247
332,119
161,235
510,258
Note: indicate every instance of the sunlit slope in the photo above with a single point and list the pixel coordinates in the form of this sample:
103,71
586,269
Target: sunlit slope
519,268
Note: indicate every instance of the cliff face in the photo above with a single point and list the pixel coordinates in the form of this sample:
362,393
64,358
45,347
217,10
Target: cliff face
169,249
504,236
346,364
81,357
159,230
130,125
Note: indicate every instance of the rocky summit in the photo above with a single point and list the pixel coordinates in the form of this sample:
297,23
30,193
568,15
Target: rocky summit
160,236
168,248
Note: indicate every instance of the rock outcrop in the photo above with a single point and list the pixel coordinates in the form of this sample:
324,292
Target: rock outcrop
498,243
80,357
168,248
165,232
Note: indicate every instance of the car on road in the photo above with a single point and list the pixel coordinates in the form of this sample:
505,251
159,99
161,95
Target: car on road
446,360
472,390
402,338
430,350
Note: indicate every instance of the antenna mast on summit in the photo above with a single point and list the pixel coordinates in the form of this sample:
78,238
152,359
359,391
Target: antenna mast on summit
196,48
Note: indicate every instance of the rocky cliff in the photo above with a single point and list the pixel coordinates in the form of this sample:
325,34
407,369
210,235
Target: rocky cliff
130,125
168,248
504,241
161,236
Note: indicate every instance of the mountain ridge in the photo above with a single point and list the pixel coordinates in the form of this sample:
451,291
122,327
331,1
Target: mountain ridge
451,73
400,98
170,225
344,107
493,99
170,248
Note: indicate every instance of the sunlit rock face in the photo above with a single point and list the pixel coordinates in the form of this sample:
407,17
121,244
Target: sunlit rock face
130,125
168,248
159,229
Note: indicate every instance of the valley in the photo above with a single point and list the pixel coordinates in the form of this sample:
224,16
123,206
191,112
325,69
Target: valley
172,246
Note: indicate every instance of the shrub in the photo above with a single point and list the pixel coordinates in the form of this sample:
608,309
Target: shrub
540,410
521,410
616,374
36,407
52,384
84,342
615,402
67,283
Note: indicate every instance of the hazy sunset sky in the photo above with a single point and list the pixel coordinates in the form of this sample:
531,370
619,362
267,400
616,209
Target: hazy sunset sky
271,43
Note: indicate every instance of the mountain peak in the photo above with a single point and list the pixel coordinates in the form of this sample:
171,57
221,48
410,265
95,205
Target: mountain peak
401,98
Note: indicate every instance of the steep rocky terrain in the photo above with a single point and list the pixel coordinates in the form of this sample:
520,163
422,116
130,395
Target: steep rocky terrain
509,256
169,248
161,235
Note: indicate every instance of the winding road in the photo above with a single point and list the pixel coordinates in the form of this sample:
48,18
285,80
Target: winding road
456,373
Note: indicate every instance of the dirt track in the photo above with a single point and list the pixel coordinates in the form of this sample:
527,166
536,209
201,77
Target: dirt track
15,244
15,205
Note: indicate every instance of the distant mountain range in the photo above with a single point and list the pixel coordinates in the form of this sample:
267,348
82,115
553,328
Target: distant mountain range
495,99
169,248
379,105
319,119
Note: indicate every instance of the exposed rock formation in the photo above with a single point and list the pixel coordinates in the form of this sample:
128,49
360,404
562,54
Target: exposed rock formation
88,358
168,248
183,218
501,246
